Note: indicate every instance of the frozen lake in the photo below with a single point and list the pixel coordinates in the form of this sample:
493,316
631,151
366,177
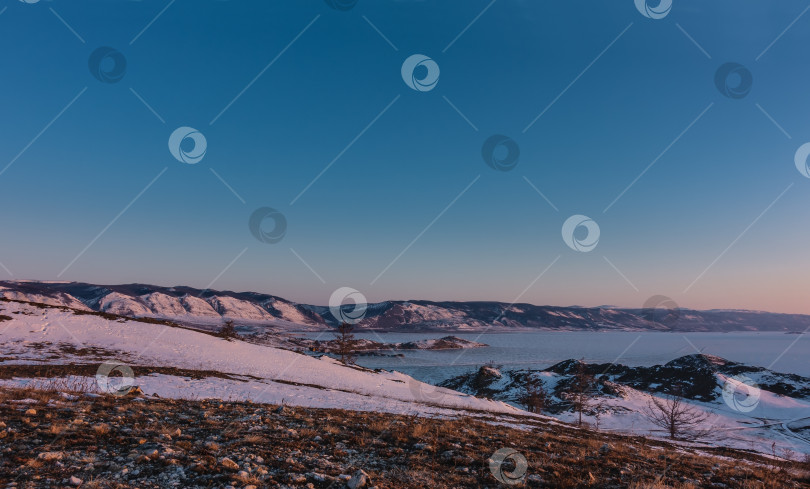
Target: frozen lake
779,351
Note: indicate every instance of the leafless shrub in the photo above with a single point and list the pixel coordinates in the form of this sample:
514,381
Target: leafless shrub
677,417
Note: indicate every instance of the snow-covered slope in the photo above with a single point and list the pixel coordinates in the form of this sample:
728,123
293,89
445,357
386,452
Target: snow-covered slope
226,369
749,407
124,305
184,304
166,304
195,306
57,299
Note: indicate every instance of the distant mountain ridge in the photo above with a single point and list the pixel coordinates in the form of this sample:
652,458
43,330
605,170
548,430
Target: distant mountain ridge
196,306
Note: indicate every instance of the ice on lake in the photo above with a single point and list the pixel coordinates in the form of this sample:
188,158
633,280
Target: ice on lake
789,353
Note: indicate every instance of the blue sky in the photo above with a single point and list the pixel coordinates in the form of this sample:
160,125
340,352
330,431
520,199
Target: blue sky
716,221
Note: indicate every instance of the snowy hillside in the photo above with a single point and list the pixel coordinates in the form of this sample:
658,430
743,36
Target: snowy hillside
182,304
748,407
176,362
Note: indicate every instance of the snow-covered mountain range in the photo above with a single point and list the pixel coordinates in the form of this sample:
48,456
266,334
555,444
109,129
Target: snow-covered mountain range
195,306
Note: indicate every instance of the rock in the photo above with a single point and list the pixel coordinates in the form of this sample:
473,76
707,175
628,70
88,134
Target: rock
229,464
51,456
604,449
75,481
359,480
31,412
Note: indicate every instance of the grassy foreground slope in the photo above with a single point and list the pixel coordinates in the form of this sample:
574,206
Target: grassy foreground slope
56,439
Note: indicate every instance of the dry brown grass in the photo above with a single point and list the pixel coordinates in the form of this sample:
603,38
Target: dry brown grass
399,451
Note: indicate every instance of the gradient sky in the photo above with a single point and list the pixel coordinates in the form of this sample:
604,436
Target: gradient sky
690,222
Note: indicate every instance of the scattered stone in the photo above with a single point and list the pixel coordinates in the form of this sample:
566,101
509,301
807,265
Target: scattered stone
31,412
359,480
297,478
229,464
51,456
75,481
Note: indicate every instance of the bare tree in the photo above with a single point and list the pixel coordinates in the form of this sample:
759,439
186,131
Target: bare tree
535,398
677,417
344,343
228,330
581,391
